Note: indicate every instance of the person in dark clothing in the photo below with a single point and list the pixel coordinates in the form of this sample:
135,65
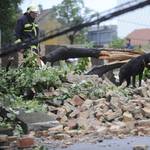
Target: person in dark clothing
128,44
27,28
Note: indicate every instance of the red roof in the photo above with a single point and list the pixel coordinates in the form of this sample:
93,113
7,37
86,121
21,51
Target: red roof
42,14
140,36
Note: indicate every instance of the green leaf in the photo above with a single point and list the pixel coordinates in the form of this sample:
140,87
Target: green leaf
1,119
11,116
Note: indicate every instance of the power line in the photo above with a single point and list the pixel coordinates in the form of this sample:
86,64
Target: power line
131,21
134,23
80,26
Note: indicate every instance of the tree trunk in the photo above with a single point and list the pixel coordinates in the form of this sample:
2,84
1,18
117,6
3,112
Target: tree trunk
63,53
71,40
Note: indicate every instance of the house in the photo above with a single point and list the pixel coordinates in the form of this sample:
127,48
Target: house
46,24
140,37
102,35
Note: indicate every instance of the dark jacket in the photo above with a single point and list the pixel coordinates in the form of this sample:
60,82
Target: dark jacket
129,47
26,28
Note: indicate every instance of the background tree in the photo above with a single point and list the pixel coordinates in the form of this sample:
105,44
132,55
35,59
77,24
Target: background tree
117,43
9,13
72,12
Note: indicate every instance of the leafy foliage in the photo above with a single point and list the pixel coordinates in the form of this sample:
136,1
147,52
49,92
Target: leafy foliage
8,17
83,62
146,74
102,92
75,89
42,148
71,12
16,84
3,123
117,43
18,131
83,37
137,48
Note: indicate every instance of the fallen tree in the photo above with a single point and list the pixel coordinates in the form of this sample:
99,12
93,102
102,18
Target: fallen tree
121,55
64,53
105,68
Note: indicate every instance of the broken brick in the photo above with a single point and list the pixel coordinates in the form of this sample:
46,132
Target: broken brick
84,114
127,117
74,113
81,121
88,103
78,101
57,128
25,142
72,133
72,124
13,138
41,133
3,138
63,119
107,136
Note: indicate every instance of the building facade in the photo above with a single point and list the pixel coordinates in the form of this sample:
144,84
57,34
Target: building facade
102,35
46,24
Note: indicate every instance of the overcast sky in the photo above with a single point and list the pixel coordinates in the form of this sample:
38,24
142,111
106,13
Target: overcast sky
127,23
97,5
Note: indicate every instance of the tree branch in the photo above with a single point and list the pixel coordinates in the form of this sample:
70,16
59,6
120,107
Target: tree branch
63,53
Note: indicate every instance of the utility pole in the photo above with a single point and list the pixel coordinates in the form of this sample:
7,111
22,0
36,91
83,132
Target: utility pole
0,47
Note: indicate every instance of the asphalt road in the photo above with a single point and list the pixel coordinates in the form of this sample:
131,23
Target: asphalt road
120,144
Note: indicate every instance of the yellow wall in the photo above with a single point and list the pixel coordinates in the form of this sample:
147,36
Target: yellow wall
46,24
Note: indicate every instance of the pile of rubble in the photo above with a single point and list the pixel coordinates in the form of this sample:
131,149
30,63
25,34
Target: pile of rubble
90,120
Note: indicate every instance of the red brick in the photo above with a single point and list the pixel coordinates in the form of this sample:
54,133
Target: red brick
90,131
142,101
41,133
99,115
64,146
97,122
57,128
4,144
140,128
106,103
25,142
72,124
78,101
45,133
13,138
74,113
107,136
83,108
114,127
38,134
